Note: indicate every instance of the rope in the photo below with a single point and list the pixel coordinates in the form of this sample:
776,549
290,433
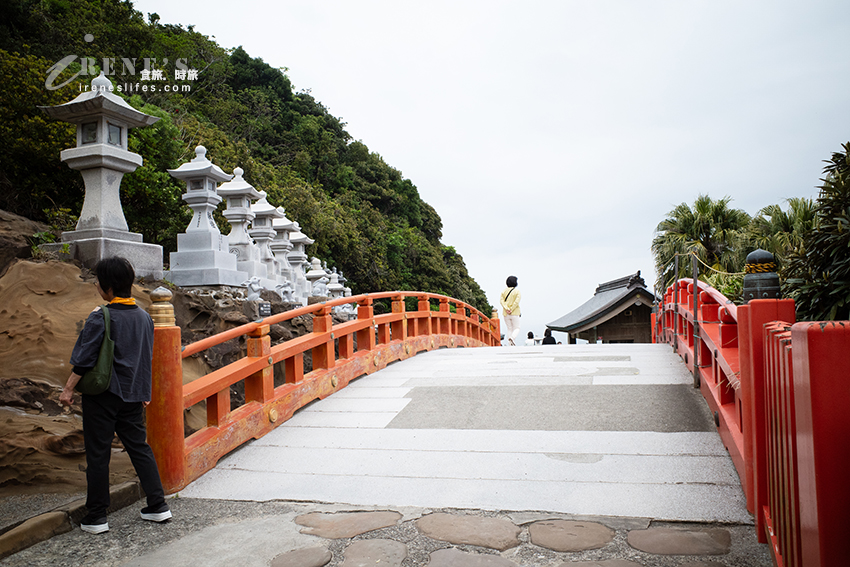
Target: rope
719,271
761,268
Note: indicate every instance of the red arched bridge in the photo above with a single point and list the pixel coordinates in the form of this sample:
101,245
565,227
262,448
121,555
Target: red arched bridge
778,394
339,354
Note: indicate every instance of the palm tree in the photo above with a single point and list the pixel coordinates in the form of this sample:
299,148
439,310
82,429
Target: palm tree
710,229
781,232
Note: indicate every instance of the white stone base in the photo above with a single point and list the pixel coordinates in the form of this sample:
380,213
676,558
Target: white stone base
206,276
253,268
145,258
89,233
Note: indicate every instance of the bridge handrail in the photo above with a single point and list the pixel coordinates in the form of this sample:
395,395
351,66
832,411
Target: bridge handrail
778,392
339,352
224,336
702,326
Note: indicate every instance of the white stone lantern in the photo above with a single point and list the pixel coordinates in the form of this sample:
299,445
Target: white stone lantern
103,120
203,256
263,233
297,259
335,289
239,194
316,272
281,246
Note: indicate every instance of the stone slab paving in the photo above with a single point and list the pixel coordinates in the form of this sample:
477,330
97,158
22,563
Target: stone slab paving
565,535
457,558
304,557
614,430
345,525
494,533
677,541
361,477
371,552
226,533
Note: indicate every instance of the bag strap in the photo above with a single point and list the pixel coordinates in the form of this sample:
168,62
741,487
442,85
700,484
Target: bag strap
105,310
509,293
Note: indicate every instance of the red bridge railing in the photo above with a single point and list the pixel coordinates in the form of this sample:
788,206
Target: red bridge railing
340,353
780,395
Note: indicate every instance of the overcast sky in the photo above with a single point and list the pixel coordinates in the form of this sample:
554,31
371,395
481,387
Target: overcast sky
553,136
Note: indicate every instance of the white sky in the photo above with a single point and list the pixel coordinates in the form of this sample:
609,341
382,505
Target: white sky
552,136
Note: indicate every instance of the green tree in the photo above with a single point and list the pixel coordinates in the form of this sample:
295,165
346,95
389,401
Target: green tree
819,269
367,219
781,232
32,178
710,229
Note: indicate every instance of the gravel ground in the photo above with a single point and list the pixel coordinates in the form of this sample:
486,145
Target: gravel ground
130,538
17,508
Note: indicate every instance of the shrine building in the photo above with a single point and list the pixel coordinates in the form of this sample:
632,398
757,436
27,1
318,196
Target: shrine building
619,312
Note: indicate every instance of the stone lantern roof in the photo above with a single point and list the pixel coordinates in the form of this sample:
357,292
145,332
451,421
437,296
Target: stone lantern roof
283,223
263,208
200,167
299,237
238,187
100,101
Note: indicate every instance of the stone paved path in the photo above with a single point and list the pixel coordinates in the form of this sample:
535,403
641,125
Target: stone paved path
532,457
221,533
613,430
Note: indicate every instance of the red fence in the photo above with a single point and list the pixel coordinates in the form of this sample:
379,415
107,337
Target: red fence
340,353
780,394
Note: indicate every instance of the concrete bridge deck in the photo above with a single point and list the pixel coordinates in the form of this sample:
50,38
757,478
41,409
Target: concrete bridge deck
557,456
608,430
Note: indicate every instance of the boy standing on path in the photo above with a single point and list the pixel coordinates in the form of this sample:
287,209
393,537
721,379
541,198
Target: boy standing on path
120,409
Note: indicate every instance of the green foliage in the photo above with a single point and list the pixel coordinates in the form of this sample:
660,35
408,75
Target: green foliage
366,218
810,240
31,176
781,232
711,230
819,268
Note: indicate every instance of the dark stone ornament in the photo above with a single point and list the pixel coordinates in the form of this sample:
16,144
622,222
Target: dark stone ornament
761,280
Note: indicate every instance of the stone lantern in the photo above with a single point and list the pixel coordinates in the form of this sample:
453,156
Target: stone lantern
281,246
335,289
101,156
203,256
239,194
316,273
263,233
297,259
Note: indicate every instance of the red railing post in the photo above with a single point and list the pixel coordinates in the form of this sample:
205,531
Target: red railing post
399,328
323,355
259,387
366,337
345,346
822,389
781,514
751,320
423,322
460,320
293,368
165,412
445,325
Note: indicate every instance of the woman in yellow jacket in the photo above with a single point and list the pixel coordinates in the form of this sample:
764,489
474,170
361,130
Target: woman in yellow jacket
510,310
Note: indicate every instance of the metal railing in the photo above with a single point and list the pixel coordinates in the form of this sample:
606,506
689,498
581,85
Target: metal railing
340,353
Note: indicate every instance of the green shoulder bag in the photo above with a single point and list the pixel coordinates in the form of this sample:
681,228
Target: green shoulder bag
96,380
